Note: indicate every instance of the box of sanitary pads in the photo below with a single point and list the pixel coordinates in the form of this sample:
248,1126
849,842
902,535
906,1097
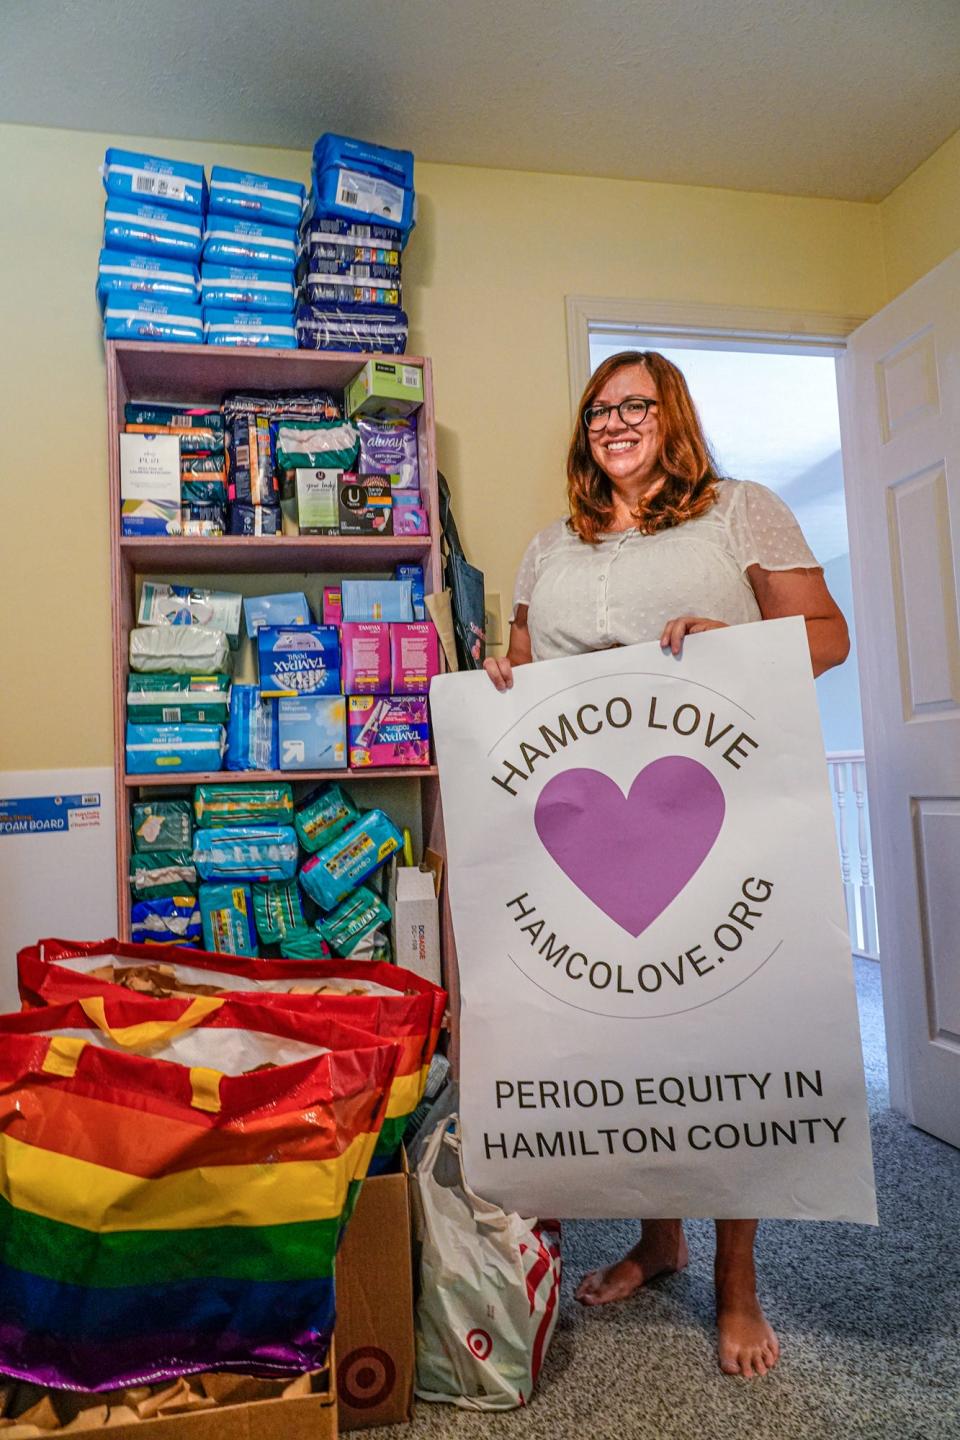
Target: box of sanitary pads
149,485
313,732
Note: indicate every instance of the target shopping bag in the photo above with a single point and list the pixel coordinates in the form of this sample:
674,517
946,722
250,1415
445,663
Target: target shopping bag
489,1288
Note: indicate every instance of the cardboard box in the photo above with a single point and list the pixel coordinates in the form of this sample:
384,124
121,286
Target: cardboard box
385,387
375,1344
415,926
311,1416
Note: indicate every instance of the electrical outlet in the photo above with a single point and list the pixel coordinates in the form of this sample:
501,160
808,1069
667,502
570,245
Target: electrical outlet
492,621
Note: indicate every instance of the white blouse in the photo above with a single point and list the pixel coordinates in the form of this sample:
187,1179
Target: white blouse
623,589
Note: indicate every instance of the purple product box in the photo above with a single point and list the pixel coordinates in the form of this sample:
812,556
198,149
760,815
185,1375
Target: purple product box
366,650
414,658
388,730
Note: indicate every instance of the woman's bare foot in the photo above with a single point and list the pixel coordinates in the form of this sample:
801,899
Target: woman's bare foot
661,1251
746,1345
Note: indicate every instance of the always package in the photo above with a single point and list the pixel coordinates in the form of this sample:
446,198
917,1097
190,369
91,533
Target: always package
301,660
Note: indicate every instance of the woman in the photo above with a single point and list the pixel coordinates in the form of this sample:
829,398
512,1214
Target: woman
658,546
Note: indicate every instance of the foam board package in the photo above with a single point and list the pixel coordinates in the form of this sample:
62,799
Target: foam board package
374,1337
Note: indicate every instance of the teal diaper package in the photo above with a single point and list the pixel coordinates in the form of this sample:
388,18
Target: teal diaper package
323,815
259,854
162,825
161,873
160,699
346,927
240,804
330,875
277,911
226,913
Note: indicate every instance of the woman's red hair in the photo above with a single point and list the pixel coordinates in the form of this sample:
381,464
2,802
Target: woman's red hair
689,468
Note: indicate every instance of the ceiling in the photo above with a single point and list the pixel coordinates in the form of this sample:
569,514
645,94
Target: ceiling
838,98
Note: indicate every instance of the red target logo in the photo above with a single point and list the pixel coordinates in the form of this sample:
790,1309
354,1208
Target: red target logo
366,1377
480,1344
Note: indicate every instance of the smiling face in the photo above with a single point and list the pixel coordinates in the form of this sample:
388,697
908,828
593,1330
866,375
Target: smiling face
628,454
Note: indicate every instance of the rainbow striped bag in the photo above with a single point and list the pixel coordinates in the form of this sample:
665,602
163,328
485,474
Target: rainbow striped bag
175,1176
395,1003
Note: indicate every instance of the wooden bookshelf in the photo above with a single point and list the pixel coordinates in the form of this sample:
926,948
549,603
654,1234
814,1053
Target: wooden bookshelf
185,373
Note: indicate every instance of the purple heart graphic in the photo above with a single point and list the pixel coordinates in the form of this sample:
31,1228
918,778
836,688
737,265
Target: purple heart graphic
632,854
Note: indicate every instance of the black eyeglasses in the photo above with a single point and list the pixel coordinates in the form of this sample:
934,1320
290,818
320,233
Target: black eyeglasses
632,412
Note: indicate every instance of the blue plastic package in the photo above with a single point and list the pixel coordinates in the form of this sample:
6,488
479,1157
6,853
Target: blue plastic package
290,608
255,853
252,733
413,573
300,660
354,180
256,197
164,748
173,184
227,916
174,920
124,273
256,329
255,520
369,600
348,860
228,241
231,287
132,317
356,329
148,230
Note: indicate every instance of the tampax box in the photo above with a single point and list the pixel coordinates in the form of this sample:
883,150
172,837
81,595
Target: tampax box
299,660
149,484
366,505
388,730
414,658
318,501
313,732
384,387
366,650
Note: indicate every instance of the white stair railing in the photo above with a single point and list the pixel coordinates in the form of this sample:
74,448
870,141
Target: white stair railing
848,781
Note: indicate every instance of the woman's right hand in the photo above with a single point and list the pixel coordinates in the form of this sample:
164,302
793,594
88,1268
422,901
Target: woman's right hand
500,671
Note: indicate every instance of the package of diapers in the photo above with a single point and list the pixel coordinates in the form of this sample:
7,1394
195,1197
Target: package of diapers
162,825
127,274
128,316
317,230
174,184
328,255
256,197
257,329
255,853
357,330
148,230
316,444
165,699
252,734
330,875
226,914
191,749
340,289
182,649
230,287
323,815
173,920
219,804
229,241
162,873
355,180
277,911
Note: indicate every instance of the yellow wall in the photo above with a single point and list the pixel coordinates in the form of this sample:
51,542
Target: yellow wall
921,218
486,275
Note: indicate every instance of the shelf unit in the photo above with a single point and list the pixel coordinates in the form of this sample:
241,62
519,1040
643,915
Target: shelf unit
185,373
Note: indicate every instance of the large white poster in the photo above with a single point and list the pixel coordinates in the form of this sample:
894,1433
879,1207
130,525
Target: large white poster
658,1011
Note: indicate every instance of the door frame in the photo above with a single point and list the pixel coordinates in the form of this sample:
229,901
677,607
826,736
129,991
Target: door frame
733,325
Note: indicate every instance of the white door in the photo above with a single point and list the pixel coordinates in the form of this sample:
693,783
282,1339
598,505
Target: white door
900,420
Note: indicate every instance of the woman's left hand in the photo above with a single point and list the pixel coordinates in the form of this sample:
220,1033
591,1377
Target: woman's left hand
674,630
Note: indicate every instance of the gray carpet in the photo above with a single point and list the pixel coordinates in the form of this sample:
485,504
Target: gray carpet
869,1320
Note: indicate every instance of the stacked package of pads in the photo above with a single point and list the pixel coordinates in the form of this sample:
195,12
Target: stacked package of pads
252,425
147,284
250,249
359,217
178,688
173,476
